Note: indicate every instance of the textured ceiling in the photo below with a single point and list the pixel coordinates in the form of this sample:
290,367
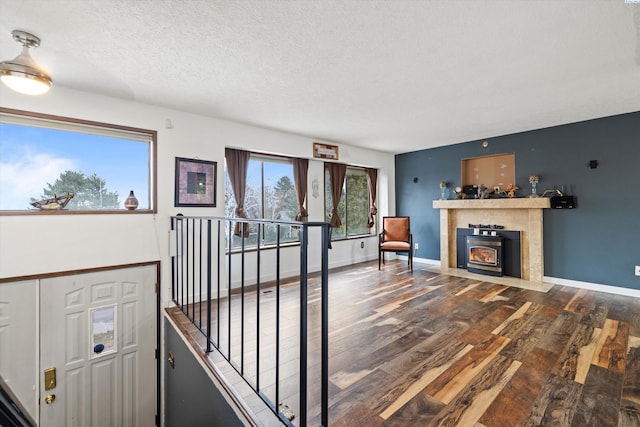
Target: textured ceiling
395,76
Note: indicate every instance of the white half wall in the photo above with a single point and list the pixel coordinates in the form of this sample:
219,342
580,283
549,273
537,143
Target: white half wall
41,244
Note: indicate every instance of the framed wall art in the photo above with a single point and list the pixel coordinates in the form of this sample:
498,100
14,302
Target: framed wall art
325,151
195,182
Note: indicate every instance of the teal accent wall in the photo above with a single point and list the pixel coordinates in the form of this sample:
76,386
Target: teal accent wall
598,242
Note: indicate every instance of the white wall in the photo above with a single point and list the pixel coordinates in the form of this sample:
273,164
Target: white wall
53,243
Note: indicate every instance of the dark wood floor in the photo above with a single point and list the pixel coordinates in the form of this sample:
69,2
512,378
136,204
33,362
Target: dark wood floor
425,349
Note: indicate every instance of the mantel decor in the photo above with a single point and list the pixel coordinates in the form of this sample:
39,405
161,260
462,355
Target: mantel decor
443,189
533,180
195,182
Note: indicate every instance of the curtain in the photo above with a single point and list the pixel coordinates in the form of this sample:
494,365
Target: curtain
372,180
300,169
337,173
237,166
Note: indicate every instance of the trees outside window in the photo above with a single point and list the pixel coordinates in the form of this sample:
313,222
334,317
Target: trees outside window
42,156
270,194
353,208
89,192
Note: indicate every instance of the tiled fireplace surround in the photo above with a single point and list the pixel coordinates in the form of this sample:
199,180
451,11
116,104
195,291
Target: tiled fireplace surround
523,215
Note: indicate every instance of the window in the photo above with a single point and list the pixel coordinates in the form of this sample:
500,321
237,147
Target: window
354,204
42,157
270,194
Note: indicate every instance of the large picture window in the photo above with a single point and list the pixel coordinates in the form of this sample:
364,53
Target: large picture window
353,208
44,157
270,194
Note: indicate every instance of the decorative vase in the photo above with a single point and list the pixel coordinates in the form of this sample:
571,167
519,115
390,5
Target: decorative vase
443,190
131,203
533,180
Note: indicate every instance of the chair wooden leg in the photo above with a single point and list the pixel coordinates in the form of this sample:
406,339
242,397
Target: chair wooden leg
379,254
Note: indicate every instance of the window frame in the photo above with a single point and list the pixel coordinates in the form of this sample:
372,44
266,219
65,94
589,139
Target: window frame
373,231
106,128
262,157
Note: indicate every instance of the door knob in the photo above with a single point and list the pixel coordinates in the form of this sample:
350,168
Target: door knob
49,399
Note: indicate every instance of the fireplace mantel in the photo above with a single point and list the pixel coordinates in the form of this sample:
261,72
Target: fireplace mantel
523,214
525,203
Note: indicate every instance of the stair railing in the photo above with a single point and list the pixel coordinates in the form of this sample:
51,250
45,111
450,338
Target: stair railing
234,312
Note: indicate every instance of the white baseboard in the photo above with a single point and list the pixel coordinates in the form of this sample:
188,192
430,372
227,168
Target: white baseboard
433,262
343,262
593,286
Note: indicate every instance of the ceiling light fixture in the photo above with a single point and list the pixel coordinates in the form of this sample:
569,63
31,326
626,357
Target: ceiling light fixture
22,74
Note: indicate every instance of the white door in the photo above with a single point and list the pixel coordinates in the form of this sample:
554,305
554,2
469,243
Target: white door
18,357
98,331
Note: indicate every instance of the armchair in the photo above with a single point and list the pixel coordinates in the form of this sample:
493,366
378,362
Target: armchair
395,237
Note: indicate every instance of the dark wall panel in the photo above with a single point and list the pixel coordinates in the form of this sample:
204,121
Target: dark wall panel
191,399
596,242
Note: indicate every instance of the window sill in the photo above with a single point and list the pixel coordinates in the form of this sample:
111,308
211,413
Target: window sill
263,248
361,236
292,244
77,212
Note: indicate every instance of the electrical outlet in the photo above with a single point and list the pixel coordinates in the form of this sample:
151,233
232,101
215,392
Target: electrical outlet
417,246
637,270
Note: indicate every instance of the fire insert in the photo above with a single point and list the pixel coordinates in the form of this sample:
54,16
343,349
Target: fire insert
485,255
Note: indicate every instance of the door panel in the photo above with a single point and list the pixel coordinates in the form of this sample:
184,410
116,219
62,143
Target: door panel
103,391
98,331
18,357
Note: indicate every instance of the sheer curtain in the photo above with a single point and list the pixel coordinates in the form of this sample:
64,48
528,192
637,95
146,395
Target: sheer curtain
237,166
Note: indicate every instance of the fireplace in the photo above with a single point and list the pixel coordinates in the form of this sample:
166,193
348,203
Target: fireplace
511,262
485,254
523,214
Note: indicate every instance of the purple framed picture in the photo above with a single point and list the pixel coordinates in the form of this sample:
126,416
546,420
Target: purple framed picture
195,182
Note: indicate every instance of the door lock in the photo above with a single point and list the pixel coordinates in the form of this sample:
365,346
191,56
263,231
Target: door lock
49,399
49,378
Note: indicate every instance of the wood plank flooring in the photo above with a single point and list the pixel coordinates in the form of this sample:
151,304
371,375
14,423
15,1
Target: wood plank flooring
425,349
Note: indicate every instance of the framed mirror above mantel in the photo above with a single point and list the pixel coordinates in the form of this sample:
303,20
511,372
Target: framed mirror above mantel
495,170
